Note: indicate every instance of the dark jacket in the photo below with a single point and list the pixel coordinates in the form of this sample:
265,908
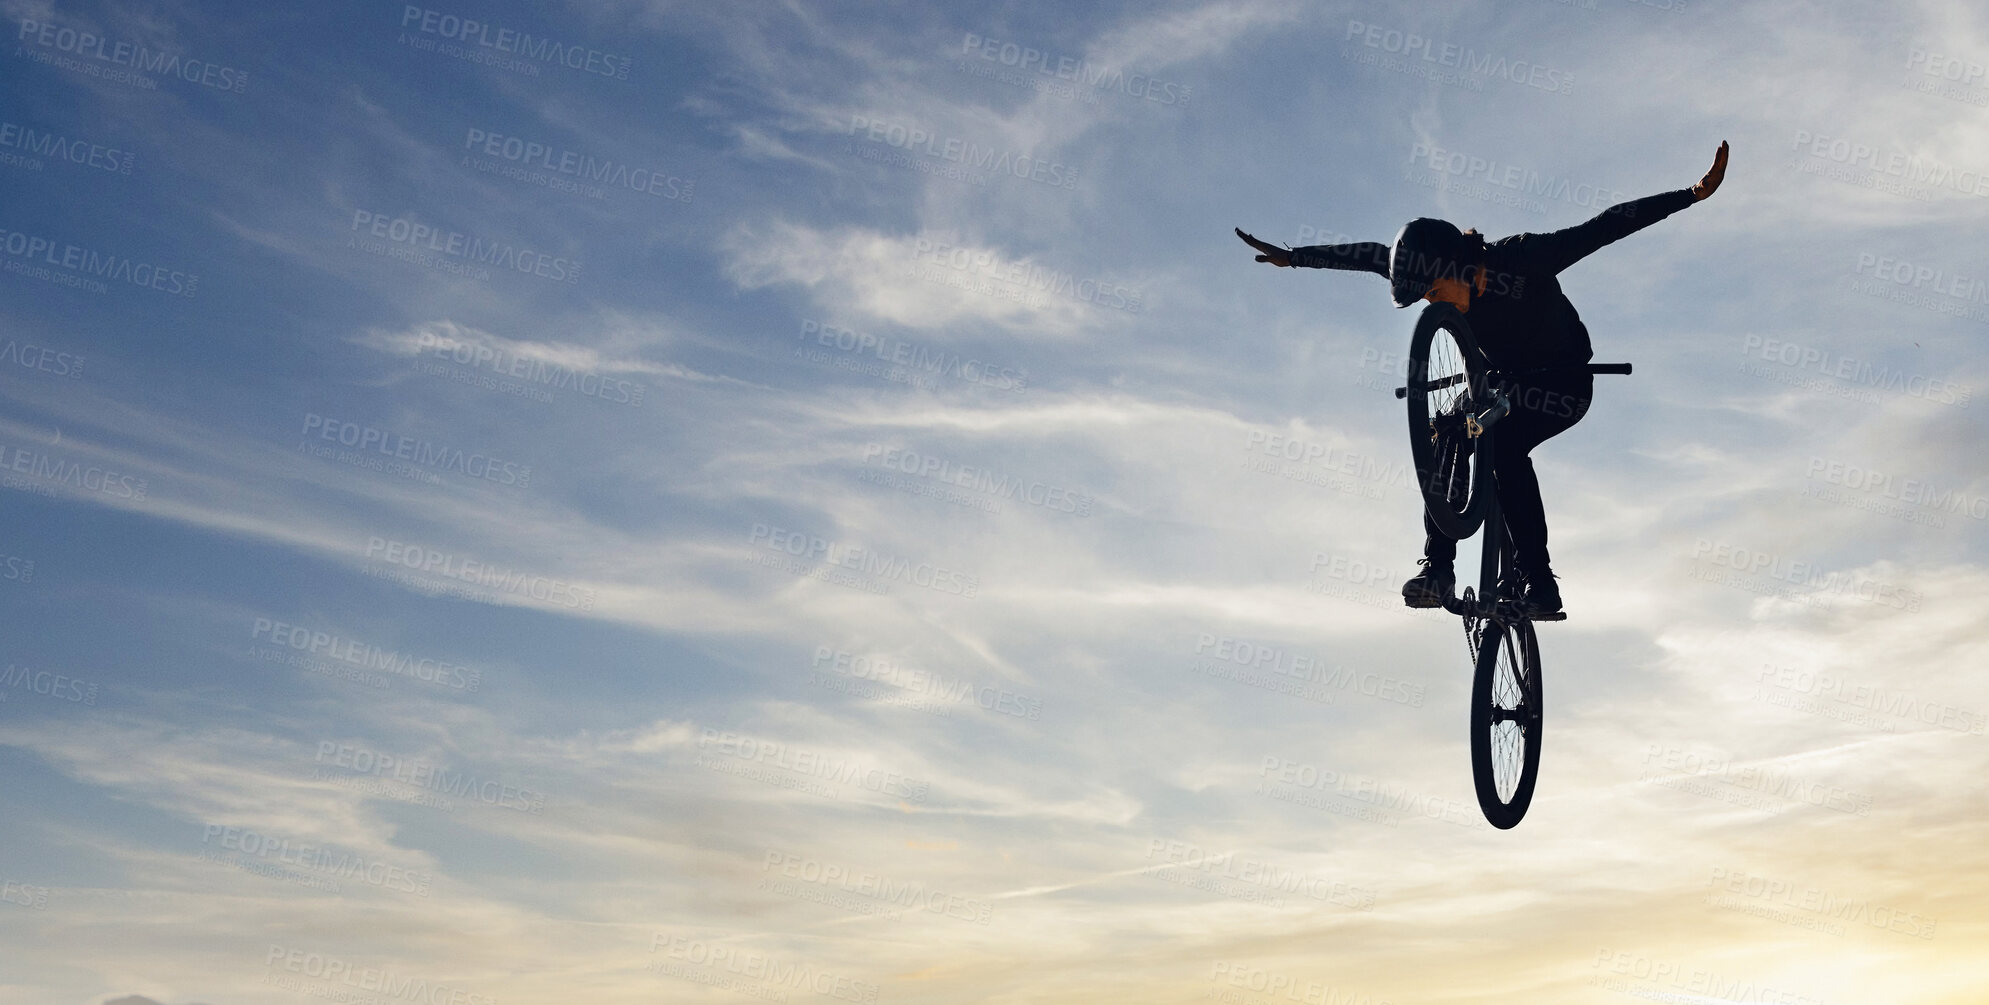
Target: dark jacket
1522,319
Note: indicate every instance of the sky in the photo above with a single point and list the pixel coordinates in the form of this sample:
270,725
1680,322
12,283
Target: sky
647,502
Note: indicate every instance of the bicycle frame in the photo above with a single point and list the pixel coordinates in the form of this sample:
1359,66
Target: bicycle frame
1487,604
1496,562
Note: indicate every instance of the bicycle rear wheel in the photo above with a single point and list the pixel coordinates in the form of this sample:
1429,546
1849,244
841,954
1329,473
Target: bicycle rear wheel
1506,720
1446,376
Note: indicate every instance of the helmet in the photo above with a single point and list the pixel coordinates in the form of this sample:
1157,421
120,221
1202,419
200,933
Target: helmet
1425,251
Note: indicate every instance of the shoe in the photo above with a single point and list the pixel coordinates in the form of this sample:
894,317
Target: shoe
1431,587
1541,596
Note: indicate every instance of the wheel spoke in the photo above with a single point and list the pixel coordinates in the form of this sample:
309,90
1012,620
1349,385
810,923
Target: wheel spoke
1443,376
1509,717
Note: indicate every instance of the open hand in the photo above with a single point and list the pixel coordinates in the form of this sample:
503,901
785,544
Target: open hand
1280,257
1711,182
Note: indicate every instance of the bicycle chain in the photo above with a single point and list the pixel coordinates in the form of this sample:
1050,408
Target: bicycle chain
1474,628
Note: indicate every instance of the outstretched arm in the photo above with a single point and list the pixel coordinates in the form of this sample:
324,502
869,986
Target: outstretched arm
1554,252
1363,257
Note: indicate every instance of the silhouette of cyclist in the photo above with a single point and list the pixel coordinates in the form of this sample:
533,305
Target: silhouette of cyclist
1523,322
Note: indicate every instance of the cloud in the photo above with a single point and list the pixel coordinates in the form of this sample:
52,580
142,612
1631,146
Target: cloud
1222,471
560,364
926,282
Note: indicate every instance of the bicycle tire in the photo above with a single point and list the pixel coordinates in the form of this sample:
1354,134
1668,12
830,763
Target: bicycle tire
1446,376
1506,721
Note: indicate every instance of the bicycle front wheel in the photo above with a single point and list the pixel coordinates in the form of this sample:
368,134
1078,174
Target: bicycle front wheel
1506,720
1445,381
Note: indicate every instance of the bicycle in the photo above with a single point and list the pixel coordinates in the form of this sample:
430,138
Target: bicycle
1455,402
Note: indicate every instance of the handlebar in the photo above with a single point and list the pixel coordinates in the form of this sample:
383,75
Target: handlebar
1622,368
1616,368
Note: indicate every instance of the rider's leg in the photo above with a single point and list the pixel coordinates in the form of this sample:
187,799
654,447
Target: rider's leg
1429,587
1438,578
1438,548
1519,497
1539,413
1531,581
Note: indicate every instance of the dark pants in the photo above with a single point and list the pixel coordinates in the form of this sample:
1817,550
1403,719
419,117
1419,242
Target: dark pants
1543,406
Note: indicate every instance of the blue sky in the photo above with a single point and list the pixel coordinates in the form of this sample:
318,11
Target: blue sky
815,500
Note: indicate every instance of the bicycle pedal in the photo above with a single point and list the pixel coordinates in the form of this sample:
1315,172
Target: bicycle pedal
1556,616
